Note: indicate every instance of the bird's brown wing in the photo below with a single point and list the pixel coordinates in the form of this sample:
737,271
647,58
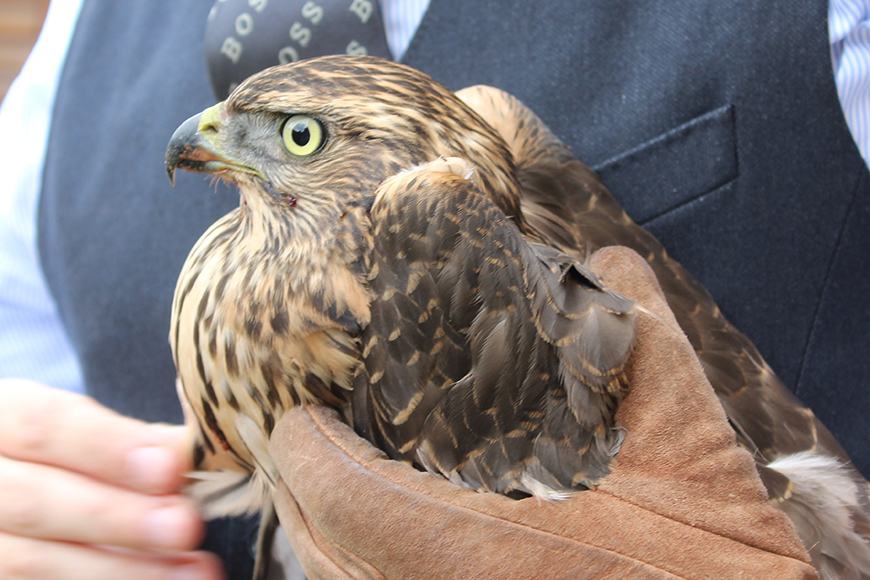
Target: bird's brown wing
566,203
487,358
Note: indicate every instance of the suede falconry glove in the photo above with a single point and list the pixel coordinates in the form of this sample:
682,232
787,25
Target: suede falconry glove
682,500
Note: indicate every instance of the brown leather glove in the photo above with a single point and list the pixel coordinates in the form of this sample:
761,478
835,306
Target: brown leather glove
681,502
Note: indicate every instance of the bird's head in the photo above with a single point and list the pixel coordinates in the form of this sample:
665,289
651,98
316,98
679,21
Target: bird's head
330,130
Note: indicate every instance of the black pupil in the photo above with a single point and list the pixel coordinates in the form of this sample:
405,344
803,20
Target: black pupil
301,134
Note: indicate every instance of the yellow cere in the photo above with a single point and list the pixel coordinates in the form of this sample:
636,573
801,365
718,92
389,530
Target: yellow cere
211,117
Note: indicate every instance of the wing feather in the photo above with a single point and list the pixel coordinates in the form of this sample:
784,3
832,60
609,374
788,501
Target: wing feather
512,374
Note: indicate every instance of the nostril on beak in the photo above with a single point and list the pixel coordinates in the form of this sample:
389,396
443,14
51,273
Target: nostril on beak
210,121
212,127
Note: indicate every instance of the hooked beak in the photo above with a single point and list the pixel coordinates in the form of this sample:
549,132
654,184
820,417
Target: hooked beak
192,147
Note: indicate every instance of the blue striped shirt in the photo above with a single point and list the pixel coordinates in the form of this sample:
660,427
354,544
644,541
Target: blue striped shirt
849,29
401,19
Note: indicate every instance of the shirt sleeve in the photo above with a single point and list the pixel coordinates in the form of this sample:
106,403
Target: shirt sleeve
33,343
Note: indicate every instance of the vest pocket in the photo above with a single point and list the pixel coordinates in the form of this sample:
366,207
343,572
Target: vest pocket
674,168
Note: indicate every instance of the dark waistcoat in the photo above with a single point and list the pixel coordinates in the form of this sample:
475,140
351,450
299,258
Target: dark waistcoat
716,124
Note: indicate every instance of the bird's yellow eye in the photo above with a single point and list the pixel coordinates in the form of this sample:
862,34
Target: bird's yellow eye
302,135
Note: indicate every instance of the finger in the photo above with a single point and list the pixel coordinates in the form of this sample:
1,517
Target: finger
29,559
45,425
46,502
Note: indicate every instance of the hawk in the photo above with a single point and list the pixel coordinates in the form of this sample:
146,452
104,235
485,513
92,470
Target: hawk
415,258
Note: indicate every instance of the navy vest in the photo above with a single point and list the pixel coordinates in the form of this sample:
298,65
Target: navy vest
716,124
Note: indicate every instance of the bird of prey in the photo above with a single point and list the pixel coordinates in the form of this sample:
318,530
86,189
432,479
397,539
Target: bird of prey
415,258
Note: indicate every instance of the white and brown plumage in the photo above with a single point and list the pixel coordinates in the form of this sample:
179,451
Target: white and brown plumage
419,265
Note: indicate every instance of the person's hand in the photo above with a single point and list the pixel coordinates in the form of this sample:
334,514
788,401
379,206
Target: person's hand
89,495
682,501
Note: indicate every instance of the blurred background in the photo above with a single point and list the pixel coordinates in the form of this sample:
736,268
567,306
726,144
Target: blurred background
20,22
